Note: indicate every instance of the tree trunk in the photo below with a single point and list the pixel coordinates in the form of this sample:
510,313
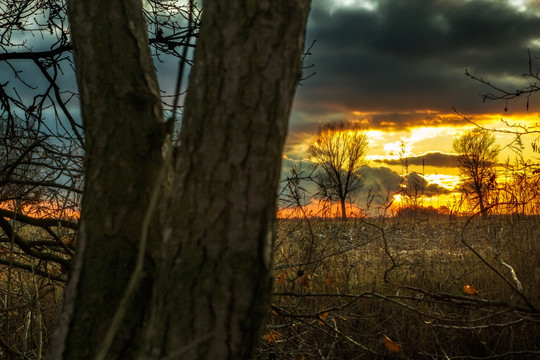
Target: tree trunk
480,196
121,111
343,203
214,283
209,289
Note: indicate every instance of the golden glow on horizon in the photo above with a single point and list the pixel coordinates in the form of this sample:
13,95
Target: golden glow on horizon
394,149
44,210
385,142
428,131
373,158
318,208
443,180
449,201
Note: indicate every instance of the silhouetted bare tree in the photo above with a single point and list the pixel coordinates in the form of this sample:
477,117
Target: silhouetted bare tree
477,161
339,152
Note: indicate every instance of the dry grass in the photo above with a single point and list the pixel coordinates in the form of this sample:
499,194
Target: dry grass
376,289
29,303
343,288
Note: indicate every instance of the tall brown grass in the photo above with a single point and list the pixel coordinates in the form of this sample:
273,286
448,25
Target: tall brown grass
362,289
394,288
29,300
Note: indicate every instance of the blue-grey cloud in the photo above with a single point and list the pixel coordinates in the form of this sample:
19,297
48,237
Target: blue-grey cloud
417,185
436,158
410,55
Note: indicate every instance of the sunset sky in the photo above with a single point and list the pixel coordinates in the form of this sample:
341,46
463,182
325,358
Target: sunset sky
398,67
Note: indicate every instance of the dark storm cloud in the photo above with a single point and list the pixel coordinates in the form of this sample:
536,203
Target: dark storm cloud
436,159
29,84
416,29
379,179
304,125
408,55
417,184
383,181
405,120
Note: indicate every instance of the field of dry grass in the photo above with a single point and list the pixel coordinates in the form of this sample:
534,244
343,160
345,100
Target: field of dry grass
30,300
403,288
431,288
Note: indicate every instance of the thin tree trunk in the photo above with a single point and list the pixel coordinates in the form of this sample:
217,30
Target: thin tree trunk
480,194
343,209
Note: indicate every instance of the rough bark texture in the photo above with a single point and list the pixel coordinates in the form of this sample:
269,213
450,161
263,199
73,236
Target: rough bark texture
213,288
121,111
210,289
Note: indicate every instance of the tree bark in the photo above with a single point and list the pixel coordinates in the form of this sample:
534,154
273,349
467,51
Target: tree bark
208,278
121,112
214,282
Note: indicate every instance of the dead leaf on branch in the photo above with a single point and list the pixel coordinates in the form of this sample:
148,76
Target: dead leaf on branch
330,282
280,279
393,347
471,290
305,281
322,316
272,336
